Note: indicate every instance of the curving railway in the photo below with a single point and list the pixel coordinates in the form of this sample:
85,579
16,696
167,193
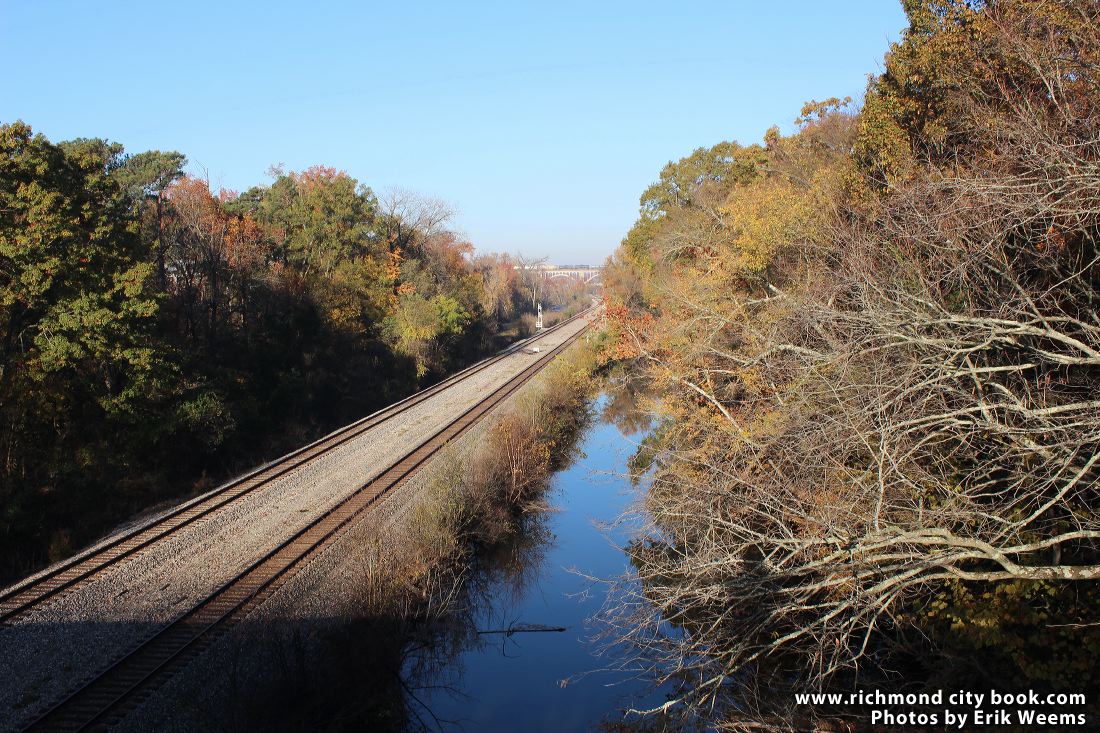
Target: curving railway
103,697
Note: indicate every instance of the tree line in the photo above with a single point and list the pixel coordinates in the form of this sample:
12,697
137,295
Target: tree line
876,348
156,335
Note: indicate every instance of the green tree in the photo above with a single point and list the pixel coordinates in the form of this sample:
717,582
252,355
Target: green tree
724,164
76,353
144,178
323,218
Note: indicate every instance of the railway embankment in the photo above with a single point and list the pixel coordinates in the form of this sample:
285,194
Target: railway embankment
61,643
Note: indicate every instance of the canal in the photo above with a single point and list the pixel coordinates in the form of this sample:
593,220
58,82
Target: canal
510,676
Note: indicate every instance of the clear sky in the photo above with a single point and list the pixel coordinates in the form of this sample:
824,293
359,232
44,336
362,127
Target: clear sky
541,123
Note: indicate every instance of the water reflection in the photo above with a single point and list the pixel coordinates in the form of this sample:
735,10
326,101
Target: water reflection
547,680
626,405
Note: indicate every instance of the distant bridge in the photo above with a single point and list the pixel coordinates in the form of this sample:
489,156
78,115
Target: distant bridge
582,273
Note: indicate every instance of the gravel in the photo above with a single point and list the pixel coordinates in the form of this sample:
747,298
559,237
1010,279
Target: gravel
318,600
68,640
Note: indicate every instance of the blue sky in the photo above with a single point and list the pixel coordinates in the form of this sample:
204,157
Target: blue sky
541,123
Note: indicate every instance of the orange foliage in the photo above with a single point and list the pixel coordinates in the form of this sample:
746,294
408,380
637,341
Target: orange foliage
393,266
316,175
244,247
633,329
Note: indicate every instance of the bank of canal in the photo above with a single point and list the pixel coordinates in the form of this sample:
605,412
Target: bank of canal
515,682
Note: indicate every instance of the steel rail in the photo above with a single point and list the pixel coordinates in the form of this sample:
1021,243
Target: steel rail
105,699
22,598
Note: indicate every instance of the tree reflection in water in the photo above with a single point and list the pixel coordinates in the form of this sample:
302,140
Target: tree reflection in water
628,403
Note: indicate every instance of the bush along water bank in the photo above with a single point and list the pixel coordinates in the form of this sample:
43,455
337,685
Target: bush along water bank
483,494
876,343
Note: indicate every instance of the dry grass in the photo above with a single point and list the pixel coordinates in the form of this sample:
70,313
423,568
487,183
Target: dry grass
479,495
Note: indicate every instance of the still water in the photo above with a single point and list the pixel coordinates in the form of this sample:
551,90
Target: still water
515,682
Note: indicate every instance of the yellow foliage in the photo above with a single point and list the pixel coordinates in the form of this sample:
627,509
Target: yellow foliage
762,218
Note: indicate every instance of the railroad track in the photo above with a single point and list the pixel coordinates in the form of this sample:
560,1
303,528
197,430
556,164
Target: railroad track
82,569
107,698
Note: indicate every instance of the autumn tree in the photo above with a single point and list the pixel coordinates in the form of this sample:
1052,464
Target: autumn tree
159,335
499,285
